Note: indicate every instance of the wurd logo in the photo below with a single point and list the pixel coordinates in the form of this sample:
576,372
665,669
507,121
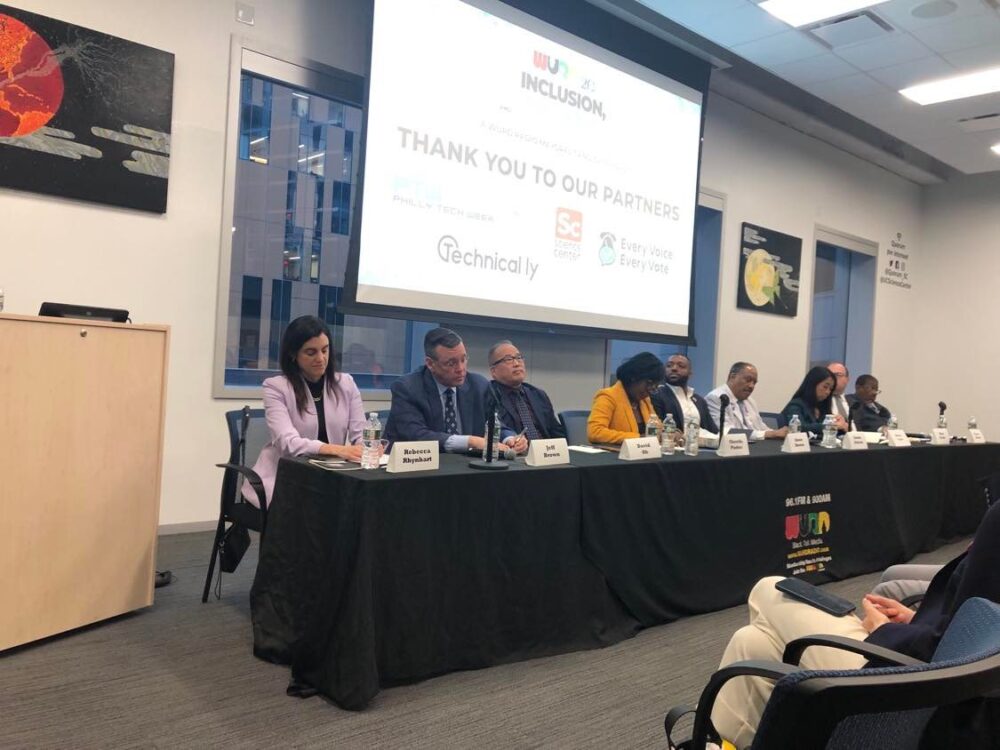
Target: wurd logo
551,64
806,524
569,225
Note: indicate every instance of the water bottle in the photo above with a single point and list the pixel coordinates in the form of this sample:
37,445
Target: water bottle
654,427
973,424
829,432
668,436
691,438
496,436
893,423
370,436
795,424
942,421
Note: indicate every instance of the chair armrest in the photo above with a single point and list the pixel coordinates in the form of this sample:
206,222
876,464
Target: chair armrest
771,670
253,480
794,650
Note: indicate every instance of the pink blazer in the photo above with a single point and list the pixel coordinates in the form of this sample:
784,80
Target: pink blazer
293,434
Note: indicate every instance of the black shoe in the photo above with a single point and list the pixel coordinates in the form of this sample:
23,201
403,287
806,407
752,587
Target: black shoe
162,578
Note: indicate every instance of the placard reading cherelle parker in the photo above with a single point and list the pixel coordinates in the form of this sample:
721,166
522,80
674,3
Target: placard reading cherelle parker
769,271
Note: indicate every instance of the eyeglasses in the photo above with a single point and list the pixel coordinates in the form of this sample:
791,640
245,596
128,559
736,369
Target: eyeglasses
453,364
510,358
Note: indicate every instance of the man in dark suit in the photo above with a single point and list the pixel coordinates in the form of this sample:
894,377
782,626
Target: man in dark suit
676,398
443,401
870,415
522,406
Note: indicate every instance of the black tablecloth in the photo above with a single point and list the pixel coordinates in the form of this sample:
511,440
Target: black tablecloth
368,579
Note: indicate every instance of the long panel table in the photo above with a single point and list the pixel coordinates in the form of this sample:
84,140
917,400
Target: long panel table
367,579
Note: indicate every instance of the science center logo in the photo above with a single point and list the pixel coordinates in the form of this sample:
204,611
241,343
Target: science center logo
448,251
606,254
569,234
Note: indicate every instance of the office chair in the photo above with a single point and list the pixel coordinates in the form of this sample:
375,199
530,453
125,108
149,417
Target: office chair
862,708
575,424
774,420
248,434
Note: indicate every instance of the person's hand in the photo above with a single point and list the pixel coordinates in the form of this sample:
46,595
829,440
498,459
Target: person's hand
874,617
350,452
840,423
892,609
778,434
477,443
519,443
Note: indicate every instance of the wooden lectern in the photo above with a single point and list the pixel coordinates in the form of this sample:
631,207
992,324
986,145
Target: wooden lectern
81,446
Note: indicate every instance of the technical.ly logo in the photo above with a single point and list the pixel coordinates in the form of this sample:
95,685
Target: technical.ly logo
607,252
806,524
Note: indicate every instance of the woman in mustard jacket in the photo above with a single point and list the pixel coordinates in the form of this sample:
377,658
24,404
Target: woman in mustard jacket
621,411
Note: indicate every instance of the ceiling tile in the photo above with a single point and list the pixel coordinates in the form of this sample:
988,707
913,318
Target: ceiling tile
849,87
822,68
909,73
786,47
961,33
880,53
975,58
731,26
899,13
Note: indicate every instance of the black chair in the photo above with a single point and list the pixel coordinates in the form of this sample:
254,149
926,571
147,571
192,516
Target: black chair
575,424
383,417
248,434
774,420
887,707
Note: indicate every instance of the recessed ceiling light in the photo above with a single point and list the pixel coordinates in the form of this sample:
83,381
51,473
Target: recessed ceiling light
802,12
955,87
995,148
934,9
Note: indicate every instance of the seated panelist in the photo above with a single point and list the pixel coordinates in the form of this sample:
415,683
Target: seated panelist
522,406
621,411
443,401
310,407
870,416
813,401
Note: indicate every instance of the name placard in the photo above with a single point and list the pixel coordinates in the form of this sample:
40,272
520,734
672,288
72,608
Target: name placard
415,455
547,452
976,436
940,436
897,439
733,445
640,448
795,442
854,441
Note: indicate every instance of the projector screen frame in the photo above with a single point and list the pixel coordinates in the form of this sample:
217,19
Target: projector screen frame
596,26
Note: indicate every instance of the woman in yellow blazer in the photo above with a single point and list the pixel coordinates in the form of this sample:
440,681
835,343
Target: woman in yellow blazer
621,411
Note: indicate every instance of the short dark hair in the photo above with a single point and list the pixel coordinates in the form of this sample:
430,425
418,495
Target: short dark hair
807,390
864,380
738,367
493,350
677,354
440,337
643,366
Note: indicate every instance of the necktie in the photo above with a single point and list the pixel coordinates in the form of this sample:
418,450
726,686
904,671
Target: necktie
450,423
840,406
524,412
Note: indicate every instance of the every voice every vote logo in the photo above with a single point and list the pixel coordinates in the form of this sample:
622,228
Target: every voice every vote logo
449,251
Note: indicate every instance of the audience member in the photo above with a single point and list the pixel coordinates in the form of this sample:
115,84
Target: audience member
310,407
522,406
677,398
621,411
741,413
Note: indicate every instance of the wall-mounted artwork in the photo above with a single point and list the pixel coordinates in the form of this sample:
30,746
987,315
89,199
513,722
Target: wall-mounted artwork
83,114
769,271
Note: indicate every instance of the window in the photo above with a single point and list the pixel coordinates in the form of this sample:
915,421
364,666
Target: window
708,239
291,175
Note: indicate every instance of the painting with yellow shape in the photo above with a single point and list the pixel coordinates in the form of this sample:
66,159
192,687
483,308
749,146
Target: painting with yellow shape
761,280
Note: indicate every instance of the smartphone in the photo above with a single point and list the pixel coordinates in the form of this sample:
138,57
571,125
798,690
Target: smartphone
806,592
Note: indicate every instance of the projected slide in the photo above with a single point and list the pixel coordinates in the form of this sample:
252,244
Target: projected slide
514,171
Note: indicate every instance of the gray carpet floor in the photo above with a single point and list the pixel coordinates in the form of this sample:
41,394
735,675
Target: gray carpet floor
181,674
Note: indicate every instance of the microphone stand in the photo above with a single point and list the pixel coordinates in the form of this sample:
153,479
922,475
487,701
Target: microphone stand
486,463
724,402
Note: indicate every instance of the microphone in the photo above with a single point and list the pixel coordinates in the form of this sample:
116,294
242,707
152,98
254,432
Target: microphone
941,407
492,404
724,402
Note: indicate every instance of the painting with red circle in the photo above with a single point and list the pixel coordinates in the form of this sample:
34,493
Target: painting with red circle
31,83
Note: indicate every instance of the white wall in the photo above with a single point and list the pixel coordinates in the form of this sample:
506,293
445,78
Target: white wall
956,323
165,269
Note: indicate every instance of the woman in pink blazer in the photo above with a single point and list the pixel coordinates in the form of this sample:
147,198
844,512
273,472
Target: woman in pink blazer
310,408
